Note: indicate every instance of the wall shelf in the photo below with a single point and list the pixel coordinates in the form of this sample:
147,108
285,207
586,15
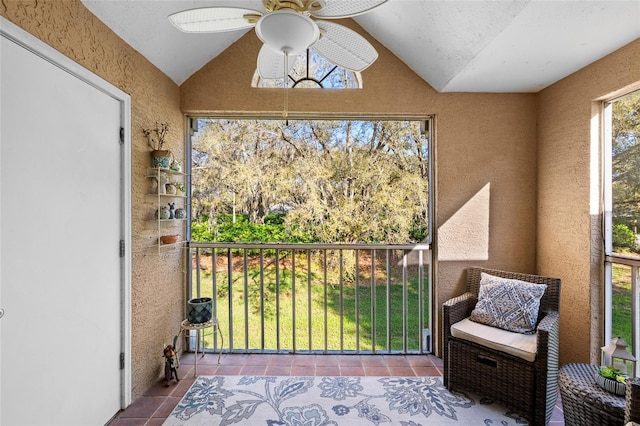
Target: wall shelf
161,200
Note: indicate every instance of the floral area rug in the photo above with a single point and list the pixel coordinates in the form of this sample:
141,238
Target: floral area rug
324,401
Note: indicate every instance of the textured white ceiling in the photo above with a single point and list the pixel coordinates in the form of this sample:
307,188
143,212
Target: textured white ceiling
455,46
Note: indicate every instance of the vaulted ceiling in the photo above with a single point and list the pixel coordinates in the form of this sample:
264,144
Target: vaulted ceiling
455,46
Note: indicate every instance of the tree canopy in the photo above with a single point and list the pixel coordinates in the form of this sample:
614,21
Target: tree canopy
626,160
335,181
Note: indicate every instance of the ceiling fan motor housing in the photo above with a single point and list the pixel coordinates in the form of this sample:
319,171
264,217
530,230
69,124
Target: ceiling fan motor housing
287,31
297,5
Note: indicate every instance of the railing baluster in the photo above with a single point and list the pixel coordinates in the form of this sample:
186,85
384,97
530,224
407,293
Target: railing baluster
357,300
388,272
214,291
635,316
197,275
404,301
293,300
373,301
278,300
198,290
309,306
341,303
420,303
246,299
262,299
326,316
429,306
230,295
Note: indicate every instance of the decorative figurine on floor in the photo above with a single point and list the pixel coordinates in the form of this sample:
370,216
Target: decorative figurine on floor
171,362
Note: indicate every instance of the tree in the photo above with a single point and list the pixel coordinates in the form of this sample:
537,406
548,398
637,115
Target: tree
235,169
626,160
340,181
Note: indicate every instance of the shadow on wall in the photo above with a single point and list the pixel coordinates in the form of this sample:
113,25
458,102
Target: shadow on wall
465,236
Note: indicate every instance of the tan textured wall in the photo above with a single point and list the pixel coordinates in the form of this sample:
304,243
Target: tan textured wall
569,215
158,289
480,139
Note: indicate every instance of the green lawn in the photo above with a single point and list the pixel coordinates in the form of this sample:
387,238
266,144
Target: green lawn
621,302
340,320
312,294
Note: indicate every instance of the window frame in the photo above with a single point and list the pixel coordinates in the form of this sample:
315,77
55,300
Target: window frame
427,128
610,258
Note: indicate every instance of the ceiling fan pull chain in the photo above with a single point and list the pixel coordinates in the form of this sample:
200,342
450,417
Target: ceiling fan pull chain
284,83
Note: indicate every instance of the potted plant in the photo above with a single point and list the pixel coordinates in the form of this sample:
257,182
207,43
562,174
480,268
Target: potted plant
199,310
180,190
161,158
612,380
613,376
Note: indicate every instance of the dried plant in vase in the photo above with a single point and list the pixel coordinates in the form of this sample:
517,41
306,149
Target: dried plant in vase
156,139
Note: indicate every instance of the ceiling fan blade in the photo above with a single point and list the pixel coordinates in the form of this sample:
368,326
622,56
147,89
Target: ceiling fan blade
214,19
271,63
337,9
344,47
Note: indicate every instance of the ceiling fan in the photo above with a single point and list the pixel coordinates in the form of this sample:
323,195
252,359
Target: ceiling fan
287,28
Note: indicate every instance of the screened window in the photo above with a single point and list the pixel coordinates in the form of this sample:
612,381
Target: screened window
327,180
313,235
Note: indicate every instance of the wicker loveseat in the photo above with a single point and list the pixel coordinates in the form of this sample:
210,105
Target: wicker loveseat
528,387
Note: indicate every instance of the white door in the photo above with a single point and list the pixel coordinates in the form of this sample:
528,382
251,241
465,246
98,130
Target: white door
61,222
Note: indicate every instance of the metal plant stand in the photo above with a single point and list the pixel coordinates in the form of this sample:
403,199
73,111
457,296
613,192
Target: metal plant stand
213,323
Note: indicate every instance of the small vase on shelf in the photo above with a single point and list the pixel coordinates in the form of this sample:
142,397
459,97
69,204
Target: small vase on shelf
170,188
175,166
162,213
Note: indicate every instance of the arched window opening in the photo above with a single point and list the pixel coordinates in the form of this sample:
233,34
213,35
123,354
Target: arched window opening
312,71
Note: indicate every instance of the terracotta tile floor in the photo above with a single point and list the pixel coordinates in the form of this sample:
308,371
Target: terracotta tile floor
158,402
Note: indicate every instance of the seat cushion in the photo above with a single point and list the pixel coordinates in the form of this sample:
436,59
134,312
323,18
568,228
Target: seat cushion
517,344
508,304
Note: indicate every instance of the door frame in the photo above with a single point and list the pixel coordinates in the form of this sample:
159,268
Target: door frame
24,39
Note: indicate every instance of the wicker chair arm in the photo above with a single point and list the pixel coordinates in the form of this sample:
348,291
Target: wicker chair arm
548,332
458,308
632,409
549,323
548,346
453,310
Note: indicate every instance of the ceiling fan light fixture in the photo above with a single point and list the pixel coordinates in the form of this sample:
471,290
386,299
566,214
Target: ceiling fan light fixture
287,31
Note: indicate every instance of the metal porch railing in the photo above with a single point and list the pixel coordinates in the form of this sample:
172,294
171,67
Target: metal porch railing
315,298
624,294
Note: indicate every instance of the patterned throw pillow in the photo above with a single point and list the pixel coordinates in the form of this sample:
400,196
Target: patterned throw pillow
508,304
